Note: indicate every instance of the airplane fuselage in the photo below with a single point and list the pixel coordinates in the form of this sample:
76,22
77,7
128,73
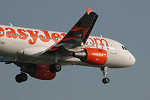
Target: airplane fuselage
25,45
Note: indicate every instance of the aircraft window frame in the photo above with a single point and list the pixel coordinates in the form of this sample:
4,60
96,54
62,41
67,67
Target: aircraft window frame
124,48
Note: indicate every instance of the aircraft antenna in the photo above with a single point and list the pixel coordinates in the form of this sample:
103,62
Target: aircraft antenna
101,35
11,25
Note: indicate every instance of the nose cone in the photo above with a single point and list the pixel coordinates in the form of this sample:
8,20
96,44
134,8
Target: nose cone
127,59
132,60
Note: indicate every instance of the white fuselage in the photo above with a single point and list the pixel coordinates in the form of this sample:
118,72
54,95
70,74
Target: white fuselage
26,45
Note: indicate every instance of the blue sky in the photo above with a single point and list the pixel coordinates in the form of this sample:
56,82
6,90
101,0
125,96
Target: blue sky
127,21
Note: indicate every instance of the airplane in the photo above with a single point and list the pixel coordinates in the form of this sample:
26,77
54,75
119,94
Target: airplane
41,53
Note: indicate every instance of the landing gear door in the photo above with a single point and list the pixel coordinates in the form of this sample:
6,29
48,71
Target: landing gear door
112,47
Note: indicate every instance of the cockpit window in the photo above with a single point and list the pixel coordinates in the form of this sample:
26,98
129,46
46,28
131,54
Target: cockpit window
124,48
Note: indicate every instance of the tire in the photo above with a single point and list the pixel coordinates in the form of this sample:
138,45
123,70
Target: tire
51,69
57,67
24,77
105,80
21,77
18,78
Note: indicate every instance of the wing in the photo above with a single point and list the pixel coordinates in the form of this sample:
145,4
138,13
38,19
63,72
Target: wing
79,33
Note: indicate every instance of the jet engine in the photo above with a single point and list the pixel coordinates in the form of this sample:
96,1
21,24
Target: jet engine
92,56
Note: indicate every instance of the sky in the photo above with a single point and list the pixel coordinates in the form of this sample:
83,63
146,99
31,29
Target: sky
126,21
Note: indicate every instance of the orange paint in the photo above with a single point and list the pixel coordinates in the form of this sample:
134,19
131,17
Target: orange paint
22,33
92,41
34,35
63,34
55,37
96,56
11,33
101,41
88,10
45,38
1,30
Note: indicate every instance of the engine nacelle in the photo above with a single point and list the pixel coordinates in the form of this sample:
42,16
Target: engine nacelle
39,71
92,56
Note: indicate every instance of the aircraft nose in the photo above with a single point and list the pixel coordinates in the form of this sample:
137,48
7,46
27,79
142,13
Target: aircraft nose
132,60
127,59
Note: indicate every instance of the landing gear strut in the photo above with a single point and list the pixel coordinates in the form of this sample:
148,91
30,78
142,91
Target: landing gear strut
56,67
105,79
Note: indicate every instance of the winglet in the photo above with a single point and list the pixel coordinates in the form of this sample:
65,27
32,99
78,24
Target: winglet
88,10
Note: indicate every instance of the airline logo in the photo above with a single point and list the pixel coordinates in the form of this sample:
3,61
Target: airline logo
98,54
44,36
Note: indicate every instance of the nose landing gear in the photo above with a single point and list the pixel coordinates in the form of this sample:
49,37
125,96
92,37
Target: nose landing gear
105,79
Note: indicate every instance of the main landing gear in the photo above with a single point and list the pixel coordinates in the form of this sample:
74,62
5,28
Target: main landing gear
105,79
55,68
22,77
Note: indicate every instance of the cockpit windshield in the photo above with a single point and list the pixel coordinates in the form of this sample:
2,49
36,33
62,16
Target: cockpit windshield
124,48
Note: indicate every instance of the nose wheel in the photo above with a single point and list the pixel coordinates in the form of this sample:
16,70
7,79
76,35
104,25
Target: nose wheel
105,79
